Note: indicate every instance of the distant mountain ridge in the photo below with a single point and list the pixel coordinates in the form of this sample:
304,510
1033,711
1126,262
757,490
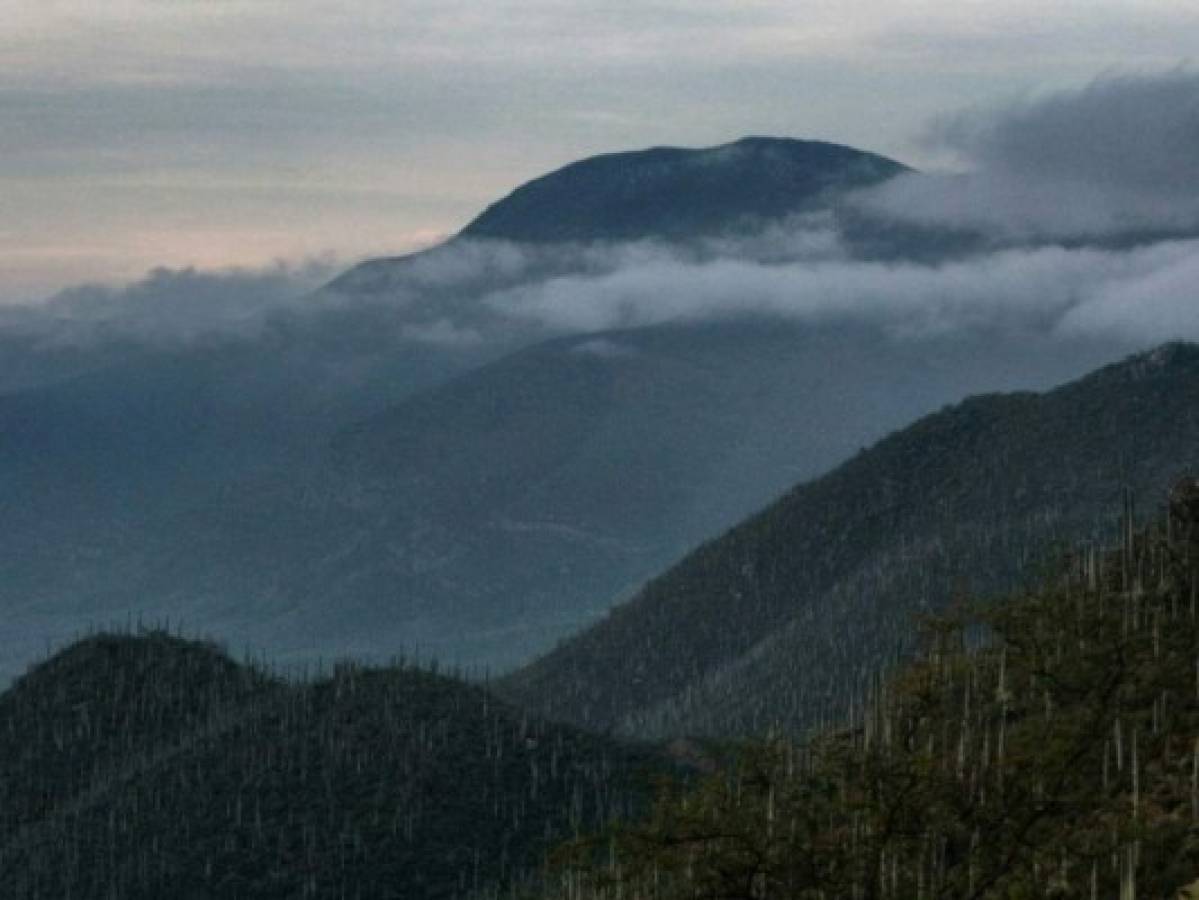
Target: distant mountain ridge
481,519
537,489
661,193
779,621
402,463
667,192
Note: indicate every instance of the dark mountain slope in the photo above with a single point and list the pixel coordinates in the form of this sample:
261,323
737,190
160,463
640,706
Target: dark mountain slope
668,192
109,479
535,490
779,619
374,783
1052,758
482,519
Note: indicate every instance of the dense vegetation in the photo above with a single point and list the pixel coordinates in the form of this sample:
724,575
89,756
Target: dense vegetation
1043,746
780,622
151,766
1040,746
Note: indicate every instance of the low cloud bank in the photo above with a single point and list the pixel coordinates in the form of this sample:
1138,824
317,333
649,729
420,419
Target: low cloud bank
1145,294
168,306
1117,158
1138,295
1086,204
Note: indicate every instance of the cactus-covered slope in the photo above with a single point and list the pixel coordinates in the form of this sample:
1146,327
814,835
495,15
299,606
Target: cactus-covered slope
1055,759
151,766
779,620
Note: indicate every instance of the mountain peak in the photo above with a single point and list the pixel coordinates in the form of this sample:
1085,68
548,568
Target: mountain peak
678,192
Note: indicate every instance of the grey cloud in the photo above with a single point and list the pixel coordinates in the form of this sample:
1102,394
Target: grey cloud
1134,132
442,333
429,298
1160,304
450,278
464,265
1045,289
488,294
806,236
604,348
1119,157
171,306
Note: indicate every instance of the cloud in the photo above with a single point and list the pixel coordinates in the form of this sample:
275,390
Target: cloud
1158,305
445,283
488,295
1133,132
1119,157
1052,289
170,306
603,348
442,333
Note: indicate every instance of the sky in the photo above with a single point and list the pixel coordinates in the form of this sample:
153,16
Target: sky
138,134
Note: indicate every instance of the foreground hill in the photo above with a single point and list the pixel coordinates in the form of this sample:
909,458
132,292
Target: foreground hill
1057,759
781,620
151,766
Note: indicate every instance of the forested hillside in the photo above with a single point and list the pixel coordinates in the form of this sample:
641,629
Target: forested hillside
1039,746
1042,746
151,766
780,621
